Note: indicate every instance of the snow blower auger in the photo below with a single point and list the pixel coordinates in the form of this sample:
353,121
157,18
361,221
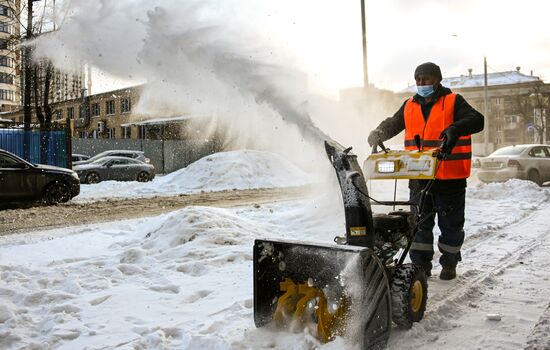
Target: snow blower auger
357,287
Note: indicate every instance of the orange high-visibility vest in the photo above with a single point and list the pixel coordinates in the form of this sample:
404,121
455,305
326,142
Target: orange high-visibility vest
457,165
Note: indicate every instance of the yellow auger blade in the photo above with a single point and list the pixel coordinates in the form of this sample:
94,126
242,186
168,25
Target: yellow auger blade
293,305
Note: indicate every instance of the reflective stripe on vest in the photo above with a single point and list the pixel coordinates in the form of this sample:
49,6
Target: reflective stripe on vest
457,165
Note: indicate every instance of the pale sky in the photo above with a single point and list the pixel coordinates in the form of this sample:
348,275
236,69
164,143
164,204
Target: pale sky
403,33
323,37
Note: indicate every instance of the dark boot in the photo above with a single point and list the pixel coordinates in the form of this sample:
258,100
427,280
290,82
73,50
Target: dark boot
427,268
448,273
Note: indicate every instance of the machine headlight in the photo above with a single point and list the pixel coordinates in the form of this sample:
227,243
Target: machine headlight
419,165
387,166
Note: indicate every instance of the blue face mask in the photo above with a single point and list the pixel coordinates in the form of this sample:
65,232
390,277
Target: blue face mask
425,90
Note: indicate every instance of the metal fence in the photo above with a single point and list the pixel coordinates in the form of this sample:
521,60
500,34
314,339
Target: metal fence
166,155
43,147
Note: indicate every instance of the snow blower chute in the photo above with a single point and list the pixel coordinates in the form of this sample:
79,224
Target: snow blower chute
357,287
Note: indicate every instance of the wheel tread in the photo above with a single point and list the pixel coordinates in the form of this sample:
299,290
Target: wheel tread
402,281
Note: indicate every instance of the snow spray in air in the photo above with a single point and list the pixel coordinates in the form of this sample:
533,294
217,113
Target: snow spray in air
195,59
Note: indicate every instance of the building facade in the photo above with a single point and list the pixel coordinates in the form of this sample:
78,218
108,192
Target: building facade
516,109
112,115
10,57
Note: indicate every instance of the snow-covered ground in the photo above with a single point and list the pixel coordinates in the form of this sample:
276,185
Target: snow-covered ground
183,280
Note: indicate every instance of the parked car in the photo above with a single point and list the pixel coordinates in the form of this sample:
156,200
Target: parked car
138,155
528,162
21,180
76,157
115,168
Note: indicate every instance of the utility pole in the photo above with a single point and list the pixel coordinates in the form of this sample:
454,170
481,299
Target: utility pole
364,31
485,107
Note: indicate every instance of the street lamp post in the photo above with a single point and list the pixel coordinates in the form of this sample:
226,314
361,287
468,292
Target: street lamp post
364,39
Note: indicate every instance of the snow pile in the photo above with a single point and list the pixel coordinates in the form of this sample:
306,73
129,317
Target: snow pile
183,280
180,280
494,206
245,169
237,169
519,190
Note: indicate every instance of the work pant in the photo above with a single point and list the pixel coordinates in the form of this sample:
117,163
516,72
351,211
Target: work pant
450,219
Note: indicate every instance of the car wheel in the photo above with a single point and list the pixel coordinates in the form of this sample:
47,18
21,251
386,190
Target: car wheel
143,176
57,192
534,176
92,178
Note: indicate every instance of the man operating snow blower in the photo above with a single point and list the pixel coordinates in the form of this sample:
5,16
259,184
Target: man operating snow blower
435,117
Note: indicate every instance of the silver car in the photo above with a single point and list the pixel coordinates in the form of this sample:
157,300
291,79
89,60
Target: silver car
139,155
528,162
115,168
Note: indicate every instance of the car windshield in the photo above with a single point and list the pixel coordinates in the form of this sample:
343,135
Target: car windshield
100,161
509,151
99,156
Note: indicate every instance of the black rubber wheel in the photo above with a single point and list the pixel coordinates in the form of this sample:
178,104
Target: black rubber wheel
143,176
535,177
57,192
409,292
92,178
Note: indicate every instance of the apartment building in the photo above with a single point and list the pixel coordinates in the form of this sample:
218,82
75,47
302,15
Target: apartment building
10,65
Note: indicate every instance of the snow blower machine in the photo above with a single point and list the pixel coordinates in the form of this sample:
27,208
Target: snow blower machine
355,288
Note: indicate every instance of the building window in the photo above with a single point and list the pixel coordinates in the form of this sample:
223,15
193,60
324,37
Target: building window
126,132
6,61
70,112
6,95
95,109
110,107
6,11
125,105
5,27
111,133
512,119
6,44
141,131
6,78
59,114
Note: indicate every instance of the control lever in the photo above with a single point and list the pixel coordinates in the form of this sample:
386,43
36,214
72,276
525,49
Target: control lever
417,142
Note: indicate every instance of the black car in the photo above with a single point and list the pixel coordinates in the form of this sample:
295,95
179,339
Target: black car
21,180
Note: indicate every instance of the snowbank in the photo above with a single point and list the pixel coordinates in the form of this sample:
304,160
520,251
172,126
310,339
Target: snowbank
504,203
183,280
243,169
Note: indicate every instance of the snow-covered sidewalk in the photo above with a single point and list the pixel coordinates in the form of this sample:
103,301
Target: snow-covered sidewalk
183,280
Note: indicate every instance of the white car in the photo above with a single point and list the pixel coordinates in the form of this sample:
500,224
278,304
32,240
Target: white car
527,162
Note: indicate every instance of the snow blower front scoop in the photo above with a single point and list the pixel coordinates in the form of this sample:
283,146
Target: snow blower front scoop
332,290
357,287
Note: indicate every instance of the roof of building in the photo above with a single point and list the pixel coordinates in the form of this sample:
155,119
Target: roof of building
166,120
478,80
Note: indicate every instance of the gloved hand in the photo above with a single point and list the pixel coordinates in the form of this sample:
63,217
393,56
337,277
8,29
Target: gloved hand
450,138
374,138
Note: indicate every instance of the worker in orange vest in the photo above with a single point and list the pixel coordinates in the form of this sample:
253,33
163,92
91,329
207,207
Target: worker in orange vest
435,117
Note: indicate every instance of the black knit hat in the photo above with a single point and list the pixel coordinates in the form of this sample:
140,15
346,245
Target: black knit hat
428,68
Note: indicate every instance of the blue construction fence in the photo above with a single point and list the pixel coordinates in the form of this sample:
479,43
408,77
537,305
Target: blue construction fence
39,147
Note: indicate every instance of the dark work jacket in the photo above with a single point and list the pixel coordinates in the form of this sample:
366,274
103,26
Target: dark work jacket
467,121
